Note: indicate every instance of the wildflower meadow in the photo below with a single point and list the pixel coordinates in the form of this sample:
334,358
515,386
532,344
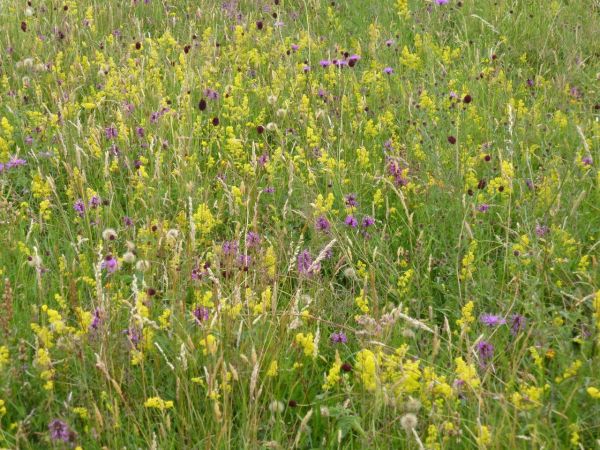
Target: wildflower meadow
300,224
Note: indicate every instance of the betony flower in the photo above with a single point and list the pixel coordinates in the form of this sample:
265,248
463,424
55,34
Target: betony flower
339,338
351,221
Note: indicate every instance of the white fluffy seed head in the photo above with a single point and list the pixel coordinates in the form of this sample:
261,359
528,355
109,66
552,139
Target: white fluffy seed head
142,265
409,422
412,405
128,257
276,406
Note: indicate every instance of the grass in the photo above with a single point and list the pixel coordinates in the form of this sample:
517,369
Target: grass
209,240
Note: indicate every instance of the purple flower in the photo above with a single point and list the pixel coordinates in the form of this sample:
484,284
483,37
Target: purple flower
263,159
111,132
211,94
244,261
398,174
230,248
485,351
351,201
295,47
517,324
339,338
79,207
587,160
305,264
483,207
12,163
127,221
269,190
201,314
353,60
94,202
389,42
351,221
323,224
442,2
134,336
59,431
367,221
541,230
109,264
325,63
97,320
388,71
492,320
252,239
306,68
140,132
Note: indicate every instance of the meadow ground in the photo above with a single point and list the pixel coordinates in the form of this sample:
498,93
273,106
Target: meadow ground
300,224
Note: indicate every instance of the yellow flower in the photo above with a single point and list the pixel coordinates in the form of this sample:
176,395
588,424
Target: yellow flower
306,341
158,403
366,369
594,392
209,344
273,369
333,377
467,373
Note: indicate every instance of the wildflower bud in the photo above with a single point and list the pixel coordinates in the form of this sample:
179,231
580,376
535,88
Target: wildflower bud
129,257
408,422
109,234
276,406
142,265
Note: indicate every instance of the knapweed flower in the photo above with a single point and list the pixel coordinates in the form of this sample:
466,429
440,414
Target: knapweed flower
484,207
339,338
110,264
324,63
442,2
492,320
388,71
352,60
